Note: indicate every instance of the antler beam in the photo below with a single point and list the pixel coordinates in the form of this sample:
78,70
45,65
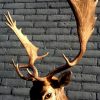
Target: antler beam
31,49
84,11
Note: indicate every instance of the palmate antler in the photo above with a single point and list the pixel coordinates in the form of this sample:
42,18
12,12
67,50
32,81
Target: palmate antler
84,11
31,49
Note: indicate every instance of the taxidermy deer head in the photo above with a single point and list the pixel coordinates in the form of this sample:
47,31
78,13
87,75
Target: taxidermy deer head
51,87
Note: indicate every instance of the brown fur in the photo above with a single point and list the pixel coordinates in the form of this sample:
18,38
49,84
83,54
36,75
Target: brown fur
50,87
40,90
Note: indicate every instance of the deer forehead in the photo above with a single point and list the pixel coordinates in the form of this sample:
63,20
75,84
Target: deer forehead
48,89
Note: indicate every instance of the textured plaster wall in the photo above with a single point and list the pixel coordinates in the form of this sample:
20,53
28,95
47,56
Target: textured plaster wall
51,26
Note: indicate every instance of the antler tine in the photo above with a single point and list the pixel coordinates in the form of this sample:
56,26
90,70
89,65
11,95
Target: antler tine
19,73
30,77
31,49
84,11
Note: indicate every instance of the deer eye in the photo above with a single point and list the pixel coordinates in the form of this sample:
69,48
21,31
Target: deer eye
48,96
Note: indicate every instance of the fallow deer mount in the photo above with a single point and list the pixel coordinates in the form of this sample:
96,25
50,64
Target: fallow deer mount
51,87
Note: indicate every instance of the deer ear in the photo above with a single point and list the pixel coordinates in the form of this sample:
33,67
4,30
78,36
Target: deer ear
65,78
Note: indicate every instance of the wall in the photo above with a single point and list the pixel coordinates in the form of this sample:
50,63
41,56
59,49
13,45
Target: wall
51,26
